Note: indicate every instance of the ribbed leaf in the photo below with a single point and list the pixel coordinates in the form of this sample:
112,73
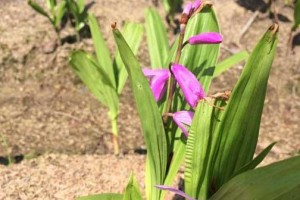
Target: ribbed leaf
39,9
109,196
102,52
133,34
256,161
241,120
157,38
132,191
278,181
201,148
95,79
151,120
230,62
201,59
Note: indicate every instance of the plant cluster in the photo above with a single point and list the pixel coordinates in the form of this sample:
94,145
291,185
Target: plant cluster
214,135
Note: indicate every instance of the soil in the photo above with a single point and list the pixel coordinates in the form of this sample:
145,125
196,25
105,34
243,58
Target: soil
47,114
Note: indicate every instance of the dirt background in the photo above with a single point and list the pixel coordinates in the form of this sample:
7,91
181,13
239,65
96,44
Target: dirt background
51,119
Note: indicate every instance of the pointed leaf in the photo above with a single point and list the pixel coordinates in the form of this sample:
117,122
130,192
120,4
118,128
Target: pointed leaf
95,79
133,33
151,120
297,14
230,62
241,120
38,8
109,196
256,161
277,181
102,52
157,38
132,191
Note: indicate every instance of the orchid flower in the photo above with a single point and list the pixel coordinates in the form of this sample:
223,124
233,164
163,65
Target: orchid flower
183,118
191,88
206,38
176,191
157,79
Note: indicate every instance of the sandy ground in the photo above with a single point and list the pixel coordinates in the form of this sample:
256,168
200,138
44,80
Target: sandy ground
45,110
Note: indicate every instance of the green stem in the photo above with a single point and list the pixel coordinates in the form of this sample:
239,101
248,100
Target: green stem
114,128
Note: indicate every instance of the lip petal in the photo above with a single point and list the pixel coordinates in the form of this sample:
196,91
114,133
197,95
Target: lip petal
182,118
157,79
176,191
187,81
206,38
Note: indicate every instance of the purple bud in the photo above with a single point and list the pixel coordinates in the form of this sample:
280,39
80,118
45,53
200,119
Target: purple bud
196,4
176,191
183,118
191,88
187,9
206,38
158,79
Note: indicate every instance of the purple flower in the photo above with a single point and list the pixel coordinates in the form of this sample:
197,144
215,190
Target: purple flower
176,191
158,79
188,8
191,88
206,38
196,4
183,118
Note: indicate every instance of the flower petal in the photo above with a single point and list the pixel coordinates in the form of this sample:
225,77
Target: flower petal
182,118
197,4
157,79
191,88
176,191
187,9
206,38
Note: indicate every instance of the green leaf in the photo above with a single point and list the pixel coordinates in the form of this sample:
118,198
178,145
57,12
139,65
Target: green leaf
60,12
39,9
157,38
296,14
201,148
108,196
95,79
51,4
81,5
151,120
277,181
133,33
256,161
230,62
102,52
241,120
201,59
132,191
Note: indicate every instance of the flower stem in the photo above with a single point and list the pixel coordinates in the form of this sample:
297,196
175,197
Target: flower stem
114,128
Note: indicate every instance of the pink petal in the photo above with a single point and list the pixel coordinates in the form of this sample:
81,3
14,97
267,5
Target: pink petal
182,118
176,191
187,9
158,79
206,38
197,4
191,88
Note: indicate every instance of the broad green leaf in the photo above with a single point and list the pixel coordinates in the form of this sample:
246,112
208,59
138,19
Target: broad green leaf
96,80
132,191
102,52
297,14
278,181
133,33
241,120
157,38
39,9
256,161
201,59
108,196
230,62
151,120
60,12
201,148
